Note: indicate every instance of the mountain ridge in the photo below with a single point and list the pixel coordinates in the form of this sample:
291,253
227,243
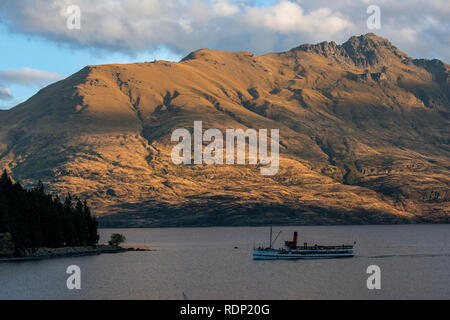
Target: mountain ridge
363,137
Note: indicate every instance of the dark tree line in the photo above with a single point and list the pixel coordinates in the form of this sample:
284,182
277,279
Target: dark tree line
35,219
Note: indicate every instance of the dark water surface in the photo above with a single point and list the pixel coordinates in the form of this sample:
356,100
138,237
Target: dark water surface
202,262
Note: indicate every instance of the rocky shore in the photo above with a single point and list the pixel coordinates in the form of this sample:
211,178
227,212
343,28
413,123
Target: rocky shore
45,253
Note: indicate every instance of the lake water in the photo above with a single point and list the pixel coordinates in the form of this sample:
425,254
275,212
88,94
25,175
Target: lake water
202,262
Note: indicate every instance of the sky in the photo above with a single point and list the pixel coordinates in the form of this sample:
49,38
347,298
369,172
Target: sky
43,41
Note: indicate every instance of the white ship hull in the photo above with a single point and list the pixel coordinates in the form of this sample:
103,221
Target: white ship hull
295,255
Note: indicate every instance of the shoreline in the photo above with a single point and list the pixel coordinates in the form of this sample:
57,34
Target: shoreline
50,253
119,227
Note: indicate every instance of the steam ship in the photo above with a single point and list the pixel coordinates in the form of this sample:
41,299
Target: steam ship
291,251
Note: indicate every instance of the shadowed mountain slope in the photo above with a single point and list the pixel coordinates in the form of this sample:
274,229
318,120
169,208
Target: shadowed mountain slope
364,137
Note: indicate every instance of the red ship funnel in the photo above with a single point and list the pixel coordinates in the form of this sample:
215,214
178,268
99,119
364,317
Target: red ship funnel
294,241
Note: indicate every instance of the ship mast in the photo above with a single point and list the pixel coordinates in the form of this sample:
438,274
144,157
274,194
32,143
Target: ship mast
271,236
270,245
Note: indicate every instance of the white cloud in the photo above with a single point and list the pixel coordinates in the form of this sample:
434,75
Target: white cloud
408,34
132,26
441,5
223,8
288,17
28,77
5,94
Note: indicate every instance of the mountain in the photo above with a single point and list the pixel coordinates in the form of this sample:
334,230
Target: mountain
364,137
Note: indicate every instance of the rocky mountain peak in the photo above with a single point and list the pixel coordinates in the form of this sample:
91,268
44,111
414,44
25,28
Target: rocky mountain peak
367,50
371,50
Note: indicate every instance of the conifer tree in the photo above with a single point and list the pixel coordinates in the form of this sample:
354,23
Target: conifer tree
32,218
